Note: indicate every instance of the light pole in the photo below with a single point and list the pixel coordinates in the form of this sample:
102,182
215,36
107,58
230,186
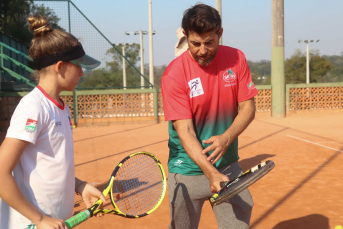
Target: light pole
307,59
124,61
278,60
151,55
219,8
141,33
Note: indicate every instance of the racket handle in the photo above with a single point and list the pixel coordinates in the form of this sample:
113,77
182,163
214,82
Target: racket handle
77,219
222,184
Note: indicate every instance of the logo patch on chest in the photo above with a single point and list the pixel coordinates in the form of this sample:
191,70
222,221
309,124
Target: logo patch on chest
196,87
229,76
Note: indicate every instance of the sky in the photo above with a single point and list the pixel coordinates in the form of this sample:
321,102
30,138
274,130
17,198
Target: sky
246,24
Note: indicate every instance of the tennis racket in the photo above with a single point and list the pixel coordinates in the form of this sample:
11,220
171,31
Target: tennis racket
137,187
235,186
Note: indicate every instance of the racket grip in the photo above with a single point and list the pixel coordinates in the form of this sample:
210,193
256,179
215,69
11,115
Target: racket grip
77,219
222,184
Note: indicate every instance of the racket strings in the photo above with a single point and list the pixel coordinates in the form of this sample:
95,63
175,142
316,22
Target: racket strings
138,185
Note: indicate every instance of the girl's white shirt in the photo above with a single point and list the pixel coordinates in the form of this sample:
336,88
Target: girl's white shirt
45,172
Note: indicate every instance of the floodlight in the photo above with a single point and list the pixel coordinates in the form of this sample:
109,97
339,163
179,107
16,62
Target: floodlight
300,41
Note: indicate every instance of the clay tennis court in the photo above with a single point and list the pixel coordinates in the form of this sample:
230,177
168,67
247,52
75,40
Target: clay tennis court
303,191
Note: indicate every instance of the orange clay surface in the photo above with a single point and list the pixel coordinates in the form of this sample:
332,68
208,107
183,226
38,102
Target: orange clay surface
303,191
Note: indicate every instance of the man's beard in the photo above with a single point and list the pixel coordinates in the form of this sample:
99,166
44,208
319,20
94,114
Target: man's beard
207,61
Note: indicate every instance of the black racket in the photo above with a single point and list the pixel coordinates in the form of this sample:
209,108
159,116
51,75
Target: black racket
235,186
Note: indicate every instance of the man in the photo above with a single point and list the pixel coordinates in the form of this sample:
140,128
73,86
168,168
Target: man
208,100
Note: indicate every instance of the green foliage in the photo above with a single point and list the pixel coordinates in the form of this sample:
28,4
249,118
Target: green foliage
47,12
158,73
131,53
295,68
112,74
13,18
336,74
322,69
260,71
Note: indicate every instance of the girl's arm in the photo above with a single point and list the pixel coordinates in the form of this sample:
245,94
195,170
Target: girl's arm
89,193
10,153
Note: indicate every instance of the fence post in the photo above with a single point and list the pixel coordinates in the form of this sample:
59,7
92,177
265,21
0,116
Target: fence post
156,103
287,99
1,64
76,109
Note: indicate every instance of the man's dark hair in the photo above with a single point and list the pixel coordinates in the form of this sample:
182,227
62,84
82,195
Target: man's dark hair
201,19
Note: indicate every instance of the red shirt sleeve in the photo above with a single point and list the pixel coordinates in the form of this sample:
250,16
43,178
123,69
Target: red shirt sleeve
175,99
246,87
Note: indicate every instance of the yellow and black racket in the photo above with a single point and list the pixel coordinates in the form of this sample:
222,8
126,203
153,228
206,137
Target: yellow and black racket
137,187
231,188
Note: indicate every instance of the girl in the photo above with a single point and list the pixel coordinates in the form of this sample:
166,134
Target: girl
38,148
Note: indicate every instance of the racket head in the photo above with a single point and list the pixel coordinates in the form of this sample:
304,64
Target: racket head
235,186
138,185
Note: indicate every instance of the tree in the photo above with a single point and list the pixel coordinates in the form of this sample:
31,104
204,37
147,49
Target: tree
112,75
49,13
295,67
336,74
13,18
260,71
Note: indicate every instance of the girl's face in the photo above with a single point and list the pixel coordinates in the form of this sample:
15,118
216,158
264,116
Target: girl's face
71,74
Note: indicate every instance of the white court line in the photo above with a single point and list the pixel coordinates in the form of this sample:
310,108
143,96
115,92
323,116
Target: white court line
331,142
314,143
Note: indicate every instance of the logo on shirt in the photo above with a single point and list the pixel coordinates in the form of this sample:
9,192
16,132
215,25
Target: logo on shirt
31,125
70,123
58,123
178,163
251,85
31,226
196,87
229,76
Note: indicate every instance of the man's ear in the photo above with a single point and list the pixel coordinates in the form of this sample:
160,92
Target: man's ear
220,33
58,67
184,33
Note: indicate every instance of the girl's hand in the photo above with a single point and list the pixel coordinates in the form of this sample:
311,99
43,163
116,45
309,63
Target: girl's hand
90,195
51,223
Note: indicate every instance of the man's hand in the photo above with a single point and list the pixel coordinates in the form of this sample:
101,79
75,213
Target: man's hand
215,180
219,145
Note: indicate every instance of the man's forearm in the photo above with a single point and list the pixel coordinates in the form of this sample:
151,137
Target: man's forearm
193,148
241,122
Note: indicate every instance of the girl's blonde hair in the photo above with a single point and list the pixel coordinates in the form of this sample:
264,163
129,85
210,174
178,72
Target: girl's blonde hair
47,40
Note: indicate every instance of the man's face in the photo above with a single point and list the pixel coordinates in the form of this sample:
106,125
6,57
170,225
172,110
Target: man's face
203,47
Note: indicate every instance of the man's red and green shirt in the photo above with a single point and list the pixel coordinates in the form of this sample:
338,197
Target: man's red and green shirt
207,95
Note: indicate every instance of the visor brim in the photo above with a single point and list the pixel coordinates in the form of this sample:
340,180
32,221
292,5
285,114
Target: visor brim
86,62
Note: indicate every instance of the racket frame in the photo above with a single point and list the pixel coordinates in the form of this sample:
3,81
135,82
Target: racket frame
84,215
262,169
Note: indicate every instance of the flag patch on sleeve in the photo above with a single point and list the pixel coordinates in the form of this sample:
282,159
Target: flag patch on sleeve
31,125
